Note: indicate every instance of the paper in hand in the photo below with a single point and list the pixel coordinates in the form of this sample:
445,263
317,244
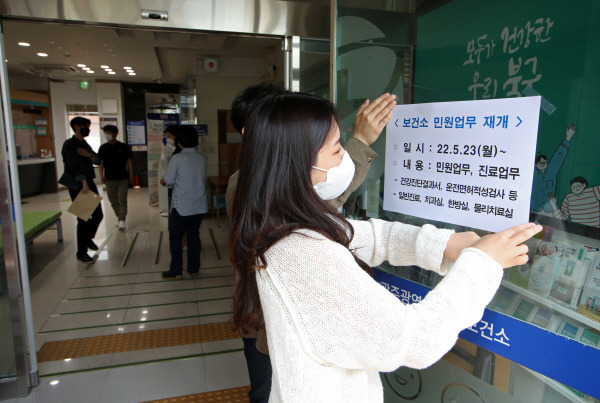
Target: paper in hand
84,205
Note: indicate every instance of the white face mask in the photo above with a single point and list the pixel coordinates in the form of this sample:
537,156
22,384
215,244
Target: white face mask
108,137
170,142
338,179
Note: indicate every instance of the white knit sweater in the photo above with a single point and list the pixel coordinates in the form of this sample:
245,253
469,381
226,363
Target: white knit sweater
331,328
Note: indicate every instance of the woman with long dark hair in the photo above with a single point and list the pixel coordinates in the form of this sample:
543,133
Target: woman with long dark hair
331,328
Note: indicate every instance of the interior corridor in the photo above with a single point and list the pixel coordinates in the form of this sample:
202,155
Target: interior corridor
115,331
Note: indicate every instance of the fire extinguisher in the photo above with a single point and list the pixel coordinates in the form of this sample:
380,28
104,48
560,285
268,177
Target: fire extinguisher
136,182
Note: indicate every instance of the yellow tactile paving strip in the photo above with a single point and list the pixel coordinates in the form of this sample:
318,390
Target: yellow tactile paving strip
118,343
235,395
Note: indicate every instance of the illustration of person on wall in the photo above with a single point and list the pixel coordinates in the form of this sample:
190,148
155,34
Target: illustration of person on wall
583,205
544,175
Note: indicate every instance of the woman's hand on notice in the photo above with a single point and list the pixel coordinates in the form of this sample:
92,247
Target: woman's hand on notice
457,242
372,117
507,247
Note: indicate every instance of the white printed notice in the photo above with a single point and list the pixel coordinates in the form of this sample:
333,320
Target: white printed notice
467,163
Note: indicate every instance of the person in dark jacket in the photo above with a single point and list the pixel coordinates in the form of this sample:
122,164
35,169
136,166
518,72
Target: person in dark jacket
78,158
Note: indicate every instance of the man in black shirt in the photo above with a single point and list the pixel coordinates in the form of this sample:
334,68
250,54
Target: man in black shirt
115,160
78,157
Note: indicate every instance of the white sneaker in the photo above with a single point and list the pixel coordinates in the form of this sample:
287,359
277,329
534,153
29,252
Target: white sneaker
122,225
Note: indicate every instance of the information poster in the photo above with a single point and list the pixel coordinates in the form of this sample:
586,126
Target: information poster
466,163
157,123
136,133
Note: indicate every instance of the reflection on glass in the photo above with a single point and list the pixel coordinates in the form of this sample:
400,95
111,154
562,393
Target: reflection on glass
469,373
515,53
7,352
314,67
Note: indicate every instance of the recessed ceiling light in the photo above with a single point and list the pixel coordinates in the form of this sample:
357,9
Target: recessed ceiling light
24,44
85,68
108,69
104,66
81,65
127,68
90,71
41,54
111,72
132,74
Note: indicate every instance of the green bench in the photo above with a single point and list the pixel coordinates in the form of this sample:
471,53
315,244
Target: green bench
35,223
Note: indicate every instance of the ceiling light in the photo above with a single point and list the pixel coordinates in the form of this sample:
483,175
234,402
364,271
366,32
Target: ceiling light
127,68
85,68
90,71
132,74
108,69
41,54
24,44
111,72
104,66
81,65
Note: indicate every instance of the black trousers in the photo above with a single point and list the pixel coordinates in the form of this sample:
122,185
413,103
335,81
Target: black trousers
259,371
86,230
189,225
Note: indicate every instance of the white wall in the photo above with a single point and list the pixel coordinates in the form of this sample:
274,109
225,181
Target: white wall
63,93
215,91
111,90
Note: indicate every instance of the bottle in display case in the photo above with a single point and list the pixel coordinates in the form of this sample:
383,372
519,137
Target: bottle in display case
546,264
568,282
589,305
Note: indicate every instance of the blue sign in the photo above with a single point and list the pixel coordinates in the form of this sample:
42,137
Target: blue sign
568,361
201,129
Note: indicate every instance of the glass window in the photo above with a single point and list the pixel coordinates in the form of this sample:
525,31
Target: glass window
462,50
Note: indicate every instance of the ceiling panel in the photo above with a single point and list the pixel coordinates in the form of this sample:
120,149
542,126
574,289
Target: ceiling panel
154,55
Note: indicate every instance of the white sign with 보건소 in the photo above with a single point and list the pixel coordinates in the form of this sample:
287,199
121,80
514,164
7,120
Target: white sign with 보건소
467,163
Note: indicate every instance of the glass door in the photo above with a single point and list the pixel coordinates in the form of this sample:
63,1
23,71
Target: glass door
373,56
545,317
16,336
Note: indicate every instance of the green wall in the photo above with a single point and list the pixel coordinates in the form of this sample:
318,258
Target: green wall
568,62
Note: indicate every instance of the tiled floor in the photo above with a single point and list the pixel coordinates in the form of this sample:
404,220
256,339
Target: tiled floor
122,292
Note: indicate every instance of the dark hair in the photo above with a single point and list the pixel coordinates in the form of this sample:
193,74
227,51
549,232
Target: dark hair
187,136
579,179
111,129
539,157
275,195
245,100
173,129
79,121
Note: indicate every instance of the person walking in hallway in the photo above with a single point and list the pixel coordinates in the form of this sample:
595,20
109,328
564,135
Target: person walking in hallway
78,158
116,171
186,174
